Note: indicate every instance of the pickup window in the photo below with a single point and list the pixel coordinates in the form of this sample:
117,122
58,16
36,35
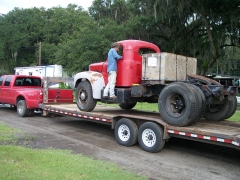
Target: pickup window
1,80
7,81
23,81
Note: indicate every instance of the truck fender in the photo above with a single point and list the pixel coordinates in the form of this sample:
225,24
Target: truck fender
95,79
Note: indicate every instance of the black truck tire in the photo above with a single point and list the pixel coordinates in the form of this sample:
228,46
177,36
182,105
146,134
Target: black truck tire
84,97
217,112
232,107
127,105
202,99
22,109
126,132
150,137
178,104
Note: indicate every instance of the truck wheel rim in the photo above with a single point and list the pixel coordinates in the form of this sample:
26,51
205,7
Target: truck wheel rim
123,133
20,108
149,137
83,95
175,104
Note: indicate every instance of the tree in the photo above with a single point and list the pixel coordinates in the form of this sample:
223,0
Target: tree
200,29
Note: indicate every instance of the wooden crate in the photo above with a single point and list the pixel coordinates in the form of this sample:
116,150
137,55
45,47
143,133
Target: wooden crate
167,67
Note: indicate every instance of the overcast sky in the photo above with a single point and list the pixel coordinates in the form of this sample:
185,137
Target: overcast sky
9,5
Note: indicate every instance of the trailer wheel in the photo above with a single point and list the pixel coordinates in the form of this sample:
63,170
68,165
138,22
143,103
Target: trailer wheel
232,108
150,137
22,109
126,132
217,112
127,105
178,104
84,97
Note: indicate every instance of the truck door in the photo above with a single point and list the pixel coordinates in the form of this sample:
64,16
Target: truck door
1,82
6,90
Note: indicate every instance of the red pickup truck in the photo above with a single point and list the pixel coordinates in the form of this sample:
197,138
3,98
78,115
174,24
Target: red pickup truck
26,93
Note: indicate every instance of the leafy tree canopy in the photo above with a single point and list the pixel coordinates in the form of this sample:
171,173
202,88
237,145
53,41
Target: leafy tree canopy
205,29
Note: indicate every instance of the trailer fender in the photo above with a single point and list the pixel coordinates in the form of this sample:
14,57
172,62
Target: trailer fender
95,79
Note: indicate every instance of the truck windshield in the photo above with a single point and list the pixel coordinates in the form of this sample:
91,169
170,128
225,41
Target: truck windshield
145,51
27,81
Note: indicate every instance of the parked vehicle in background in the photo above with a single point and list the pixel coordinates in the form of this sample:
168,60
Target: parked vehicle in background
41,71
227,81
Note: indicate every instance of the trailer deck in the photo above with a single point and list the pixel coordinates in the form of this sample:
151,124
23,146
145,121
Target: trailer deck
224,133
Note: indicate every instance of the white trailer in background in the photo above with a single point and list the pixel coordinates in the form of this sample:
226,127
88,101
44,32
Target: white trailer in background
42,71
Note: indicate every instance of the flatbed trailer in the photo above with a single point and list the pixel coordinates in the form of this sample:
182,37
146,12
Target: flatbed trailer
149,129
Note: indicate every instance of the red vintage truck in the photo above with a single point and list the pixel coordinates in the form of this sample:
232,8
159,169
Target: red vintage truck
26,93
147,75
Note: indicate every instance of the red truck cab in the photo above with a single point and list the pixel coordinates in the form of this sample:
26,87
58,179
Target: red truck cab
130,67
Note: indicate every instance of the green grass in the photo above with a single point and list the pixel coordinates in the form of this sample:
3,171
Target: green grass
24,163
235,117
7,134
139,106
18,162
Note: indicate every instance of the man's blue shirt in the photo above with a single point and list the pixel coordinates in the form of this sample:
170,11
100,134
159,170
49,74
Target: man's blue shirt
113,56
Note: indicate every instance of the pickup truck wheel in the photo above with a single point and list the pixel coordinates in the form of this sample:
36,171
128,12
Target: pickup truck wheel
217,112
84,97
232,108
127,105
22,109
126,132
178,104
150,137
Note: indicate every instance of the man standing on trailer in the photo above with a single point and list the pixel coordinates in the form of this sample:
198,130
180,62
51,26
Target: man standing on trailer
113,56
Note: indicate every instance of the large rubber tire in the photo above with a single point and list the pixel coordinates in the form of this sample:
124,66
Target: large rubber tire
178,104
127,105
232,108
150,137
84,97
202,101
22,109
126,132
217,112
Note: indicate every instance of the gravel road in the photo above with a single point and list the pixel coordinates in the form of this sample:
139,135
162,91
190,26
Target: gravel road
179,159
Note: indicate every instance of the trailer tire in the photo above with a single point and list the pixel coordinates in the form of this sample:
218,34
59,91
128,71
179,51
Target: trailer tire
232,108
126,132
84,97
178,104
217,112
127,105
150,137
22,109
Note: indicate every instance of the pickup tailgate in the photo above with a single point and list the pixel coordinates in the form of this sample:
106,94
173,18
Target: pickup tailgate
60,95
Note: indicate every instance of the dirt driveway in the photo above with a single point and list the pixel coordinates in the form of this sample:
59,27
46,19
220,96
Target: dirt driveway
180,159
